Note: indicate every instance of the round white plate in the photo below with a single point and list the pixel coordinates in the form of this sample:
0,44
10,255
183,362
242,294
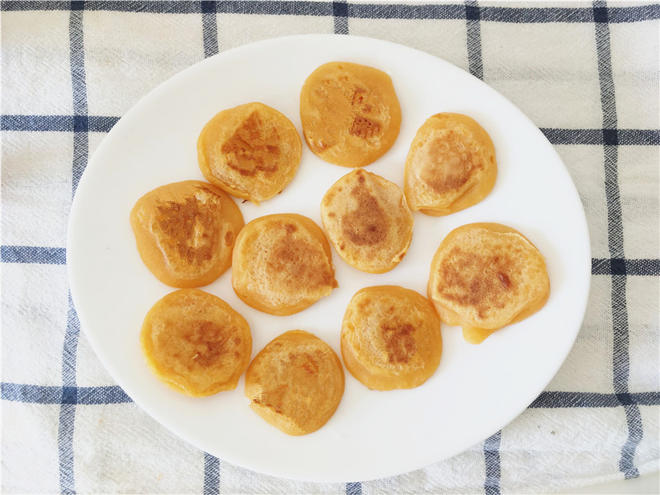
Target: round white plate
476,390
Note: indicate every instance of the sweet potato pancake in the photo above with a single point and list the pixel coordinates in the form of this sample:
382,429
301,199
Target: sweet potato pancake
350,113
252,151
485,276
295,383
185,232
368,221
450,166
282,264
390,338
196,343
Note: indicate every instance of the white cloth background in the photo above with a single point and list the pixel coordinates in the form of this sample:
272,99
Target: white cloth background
587,74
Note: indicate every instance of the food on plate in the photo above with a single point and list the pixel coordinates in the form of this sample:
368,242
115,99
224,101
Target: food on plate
252,151
196,343
350,113
282,264
485,276
390,338
368,221
450,166
185,232
295,383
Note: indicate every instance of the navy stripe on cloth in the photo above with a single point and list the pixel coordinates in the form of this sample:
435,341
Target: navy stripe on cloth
58,123
599,266
556,400
70,347
620,355
99,123
210,41
618,266
209,28
354,488
113,394
492,463
635,13
33,254
44,394
340,14
472,15
211,474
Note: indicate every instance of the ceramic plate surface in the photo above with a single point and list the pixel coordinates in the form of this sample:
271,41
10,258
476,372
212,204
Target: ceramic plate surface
476,390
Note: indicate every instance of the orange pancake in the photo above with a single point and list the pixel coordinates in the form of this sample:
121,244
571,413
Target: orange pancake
295,383
196,343
450,166
368,221
485,276
252,151
282,264
185,232
350,113
390,338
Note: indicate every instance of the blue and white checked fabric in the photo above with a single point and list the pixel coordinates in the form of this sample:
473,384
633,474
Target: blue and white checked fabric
587,75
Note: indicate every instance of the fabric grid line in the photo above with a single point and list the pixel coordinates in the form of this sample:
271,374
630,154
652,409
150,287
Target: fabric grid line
356,10
621,358
608,153
96,123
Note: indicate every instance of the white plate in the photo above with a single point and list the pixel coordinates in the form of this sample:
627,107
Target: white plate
475,391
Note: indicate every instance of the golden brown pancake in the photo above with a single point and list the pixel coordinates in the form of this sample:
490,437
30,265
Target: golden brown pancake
350,113
252,151
196,343
185,232
485,276
390,338
450,166
295,383
368,221
282,264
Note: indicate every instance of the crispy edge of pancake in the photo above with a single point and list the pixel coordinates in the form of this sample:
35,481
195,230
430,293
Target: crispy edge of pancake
291,340
146,343
332,224
254,300
228,121
471,195
153,257
374,77
473,333
373,376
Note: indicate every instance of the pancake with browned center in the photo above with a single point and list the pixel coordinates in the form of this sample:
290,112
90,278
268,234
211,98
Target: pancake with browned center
485,276
282,264
196,343
350,113
450,166
368,221
295,383
252,151
390,338
185,232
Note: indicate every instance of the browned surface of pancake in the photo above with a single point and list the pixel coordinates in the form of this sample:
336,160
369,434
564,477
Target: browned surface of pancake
185,232
350,113
450,166
252,151
368,221
282,264
391,338
295,383
485,276
196,343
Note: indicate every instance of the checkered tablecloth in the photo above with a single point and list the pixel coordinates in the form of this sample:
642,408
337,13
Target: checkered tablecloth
586,74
